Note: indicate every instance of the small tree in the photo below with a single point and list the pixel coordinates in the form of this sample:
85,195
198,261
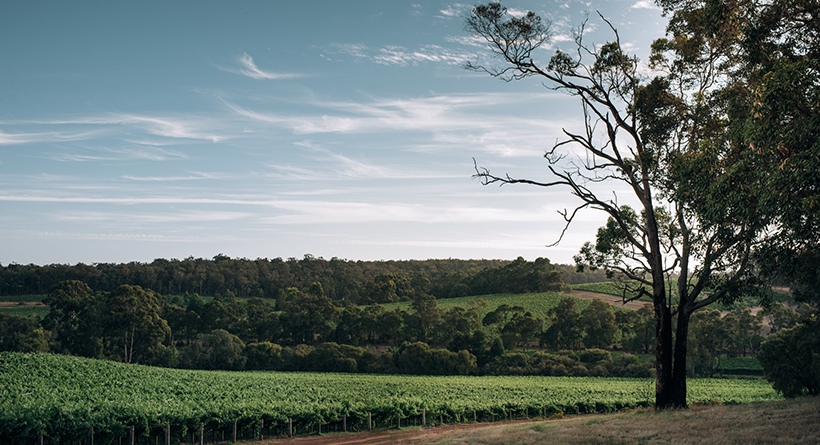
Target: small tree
598,323
565,330
708,342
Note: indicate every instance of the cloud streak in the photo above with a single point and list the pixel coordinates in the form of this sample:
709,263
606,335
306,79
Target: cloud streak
402,56
478,114
189,127
317,211
50,136
248,68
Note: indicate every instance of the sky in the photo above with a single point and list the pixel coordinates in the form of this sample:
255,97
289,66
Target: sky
131,131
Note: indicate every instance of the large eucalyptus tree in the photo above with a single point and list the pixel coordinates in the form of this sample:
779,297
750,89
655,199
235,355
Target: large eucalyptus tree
665,138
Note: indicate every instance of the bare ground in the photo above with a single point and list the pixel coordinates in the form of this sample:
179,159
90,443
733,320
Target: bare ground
795,421
21,304
611,299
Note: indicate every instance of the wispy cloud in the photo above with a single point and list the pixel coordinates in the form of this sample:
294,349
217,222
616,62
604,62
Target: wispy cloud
456,10
188,128
644,4
50,136
248,68
118,154
196,176
397,55
131,200
315,211
189,216
322,212
130,237
176,127
344,166
437,113
479,121
402,56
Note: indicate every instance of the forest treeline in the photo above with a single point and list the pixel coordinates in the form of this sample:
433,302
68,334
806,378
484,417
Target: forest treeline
307,331
359,282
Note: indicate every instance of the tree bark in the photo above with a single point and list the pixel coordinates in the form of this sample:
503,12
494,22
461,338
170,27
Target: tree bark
663,354
679,373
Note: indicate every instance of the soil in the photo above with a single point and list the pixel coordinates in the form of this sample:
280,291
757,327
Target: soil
611,299
21,304
407,436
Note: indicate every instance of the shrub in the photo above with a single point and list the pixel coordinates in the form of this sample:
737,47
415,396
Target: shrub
791,358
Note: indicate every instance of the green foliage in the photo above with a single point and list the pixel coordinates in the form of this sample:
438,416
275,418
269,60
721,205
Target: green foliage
707,342
26,311
537,304
517,277
564,331
223,350
341,280
637,329
60,396
791,358
23,334
598,323
740,366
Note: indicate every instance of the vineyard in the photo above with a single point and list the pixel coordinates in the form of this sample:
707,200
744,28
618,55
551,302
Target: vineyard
61,398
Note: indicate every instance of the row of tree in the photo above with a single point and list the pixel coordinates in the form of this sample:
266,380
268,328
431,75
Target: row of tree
358,282
134,325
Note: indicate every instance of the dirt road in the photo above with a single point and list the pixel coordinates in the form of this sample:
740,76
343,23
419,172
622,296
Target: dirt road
407,436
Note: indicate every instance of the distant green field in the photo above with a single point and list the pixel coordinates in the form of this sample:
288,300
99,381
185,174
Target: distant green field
609,288
740,366
612,288
23,298
729,366
537,304
26,311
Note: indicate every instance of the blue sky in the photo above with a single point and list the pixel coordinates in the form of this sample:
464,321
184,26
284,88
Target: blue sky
138,130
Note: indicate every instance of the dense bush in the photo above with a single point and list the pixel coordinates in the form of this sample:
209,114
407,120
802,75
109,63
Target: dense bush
791,358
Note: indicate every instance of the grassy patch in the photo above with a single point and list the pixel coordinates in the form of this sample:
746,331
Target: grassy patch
612,288
26,311
23,298
783,421
538,304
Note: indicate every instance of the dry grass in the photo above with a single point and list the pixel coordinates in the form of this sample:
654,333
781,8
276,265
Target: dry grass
794,421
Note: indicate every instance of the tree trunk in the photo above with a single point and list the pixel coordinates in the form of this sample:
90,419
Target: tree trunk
663,355
679,373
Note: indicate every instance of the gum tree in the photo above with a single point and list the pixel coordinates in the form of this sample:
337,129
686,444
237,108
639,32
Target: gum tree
664,139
